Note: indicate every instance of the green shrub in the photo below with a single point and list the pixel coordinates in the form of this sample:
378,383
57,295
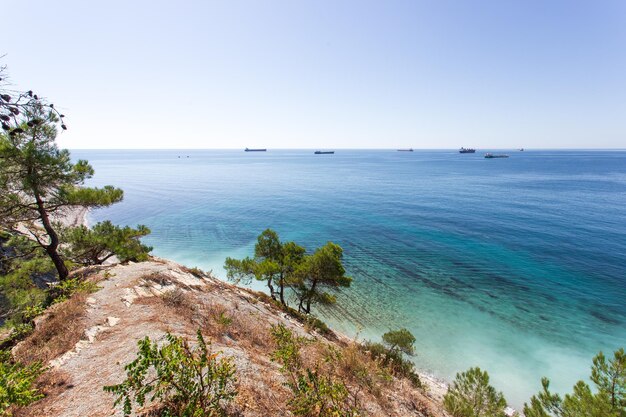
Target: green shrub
309,320
18,332
400,340
313,393
187,382
16,383
18,291
65,289
394,361
470,395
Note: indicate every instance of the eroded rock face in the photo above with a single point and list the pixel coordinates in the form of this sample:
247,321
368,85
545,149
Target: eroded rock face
132,304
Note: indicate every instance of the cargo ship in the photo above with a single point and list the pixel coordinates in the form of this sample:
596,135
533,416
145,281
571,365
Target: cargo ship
324,152
255,150
467,150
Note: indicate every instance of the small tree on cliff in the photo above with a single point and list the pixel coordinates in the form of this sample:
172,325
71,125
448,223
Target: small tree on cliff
320,271
470,395
38,180
400,340
274,262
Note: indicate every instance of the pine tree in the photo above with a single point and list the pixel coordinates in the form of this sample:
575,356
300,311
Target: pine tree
39,181
320,271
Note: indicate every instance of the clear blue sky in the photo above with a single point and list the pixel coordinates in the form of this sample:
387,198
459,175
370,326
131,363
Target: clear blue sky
327,74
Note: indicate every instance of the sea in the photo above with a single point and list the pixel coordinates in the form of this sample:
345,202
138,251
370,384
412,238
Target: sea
516,265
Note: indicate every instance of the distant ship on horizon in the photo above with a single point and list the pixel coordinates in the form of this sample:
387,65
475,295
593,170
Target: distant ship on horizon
255,150
405,150
467,150
323,152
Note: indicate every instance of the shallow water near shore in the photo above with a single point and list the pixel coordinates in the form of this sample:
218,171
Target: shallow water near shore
515,265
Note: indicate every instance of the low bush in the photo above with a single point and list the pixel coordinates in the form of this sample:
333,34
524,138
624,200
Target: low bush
64,290
309,320
16,383
313,392
393,360
184,381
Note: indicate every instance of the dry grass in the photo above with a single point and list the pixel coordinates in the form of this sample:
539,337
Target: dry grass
220,321
262,396
158,278
262,393
252,332
58,333
196,272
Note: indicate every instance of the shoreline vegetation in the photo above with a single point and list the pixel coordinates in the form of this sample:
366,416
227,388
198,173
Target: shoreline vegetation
436,386
94,325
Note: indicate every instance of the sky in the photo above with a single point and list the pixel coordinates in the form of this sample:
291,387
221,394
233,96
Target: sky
325,74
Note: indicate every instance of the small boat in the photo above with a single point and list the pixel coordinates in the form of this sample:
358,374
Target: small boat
521,149
490,155
405,150
324,152
467,150
255,150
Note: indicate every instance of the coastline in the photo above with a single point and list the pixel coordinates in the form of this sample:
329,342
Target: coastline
435,387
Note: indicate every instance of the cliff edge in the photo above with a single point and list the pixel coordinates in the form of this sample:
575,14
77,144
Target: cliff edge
87,340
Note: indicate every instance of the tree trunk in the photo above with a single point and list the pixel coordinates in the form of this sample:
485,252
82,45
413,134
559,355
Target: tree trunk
301,301
271,287
281,284
310,297
52,247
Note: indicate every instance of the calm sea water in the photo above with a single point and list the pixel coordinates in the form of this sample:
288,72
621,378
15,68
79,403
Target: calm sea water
516,265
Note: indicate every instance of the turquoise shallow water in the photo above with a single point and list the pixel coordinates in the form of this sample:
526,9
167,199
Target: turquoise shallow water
517,265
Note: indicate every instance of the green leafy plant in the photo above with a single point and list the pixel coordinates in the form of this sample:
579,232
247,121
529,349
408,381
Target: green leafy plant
470,395
16,383
185,381
18,292
313,393
65,289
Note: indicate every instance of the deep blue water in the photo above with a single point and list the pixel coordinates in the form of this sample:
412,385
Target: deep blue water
517,265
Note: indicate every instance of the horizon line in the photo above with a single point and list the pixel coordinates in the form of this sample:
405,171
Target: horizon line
330,148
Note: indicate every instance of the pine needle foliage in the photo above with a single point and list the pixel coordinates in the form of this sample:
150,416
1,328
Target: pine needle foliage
470,395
